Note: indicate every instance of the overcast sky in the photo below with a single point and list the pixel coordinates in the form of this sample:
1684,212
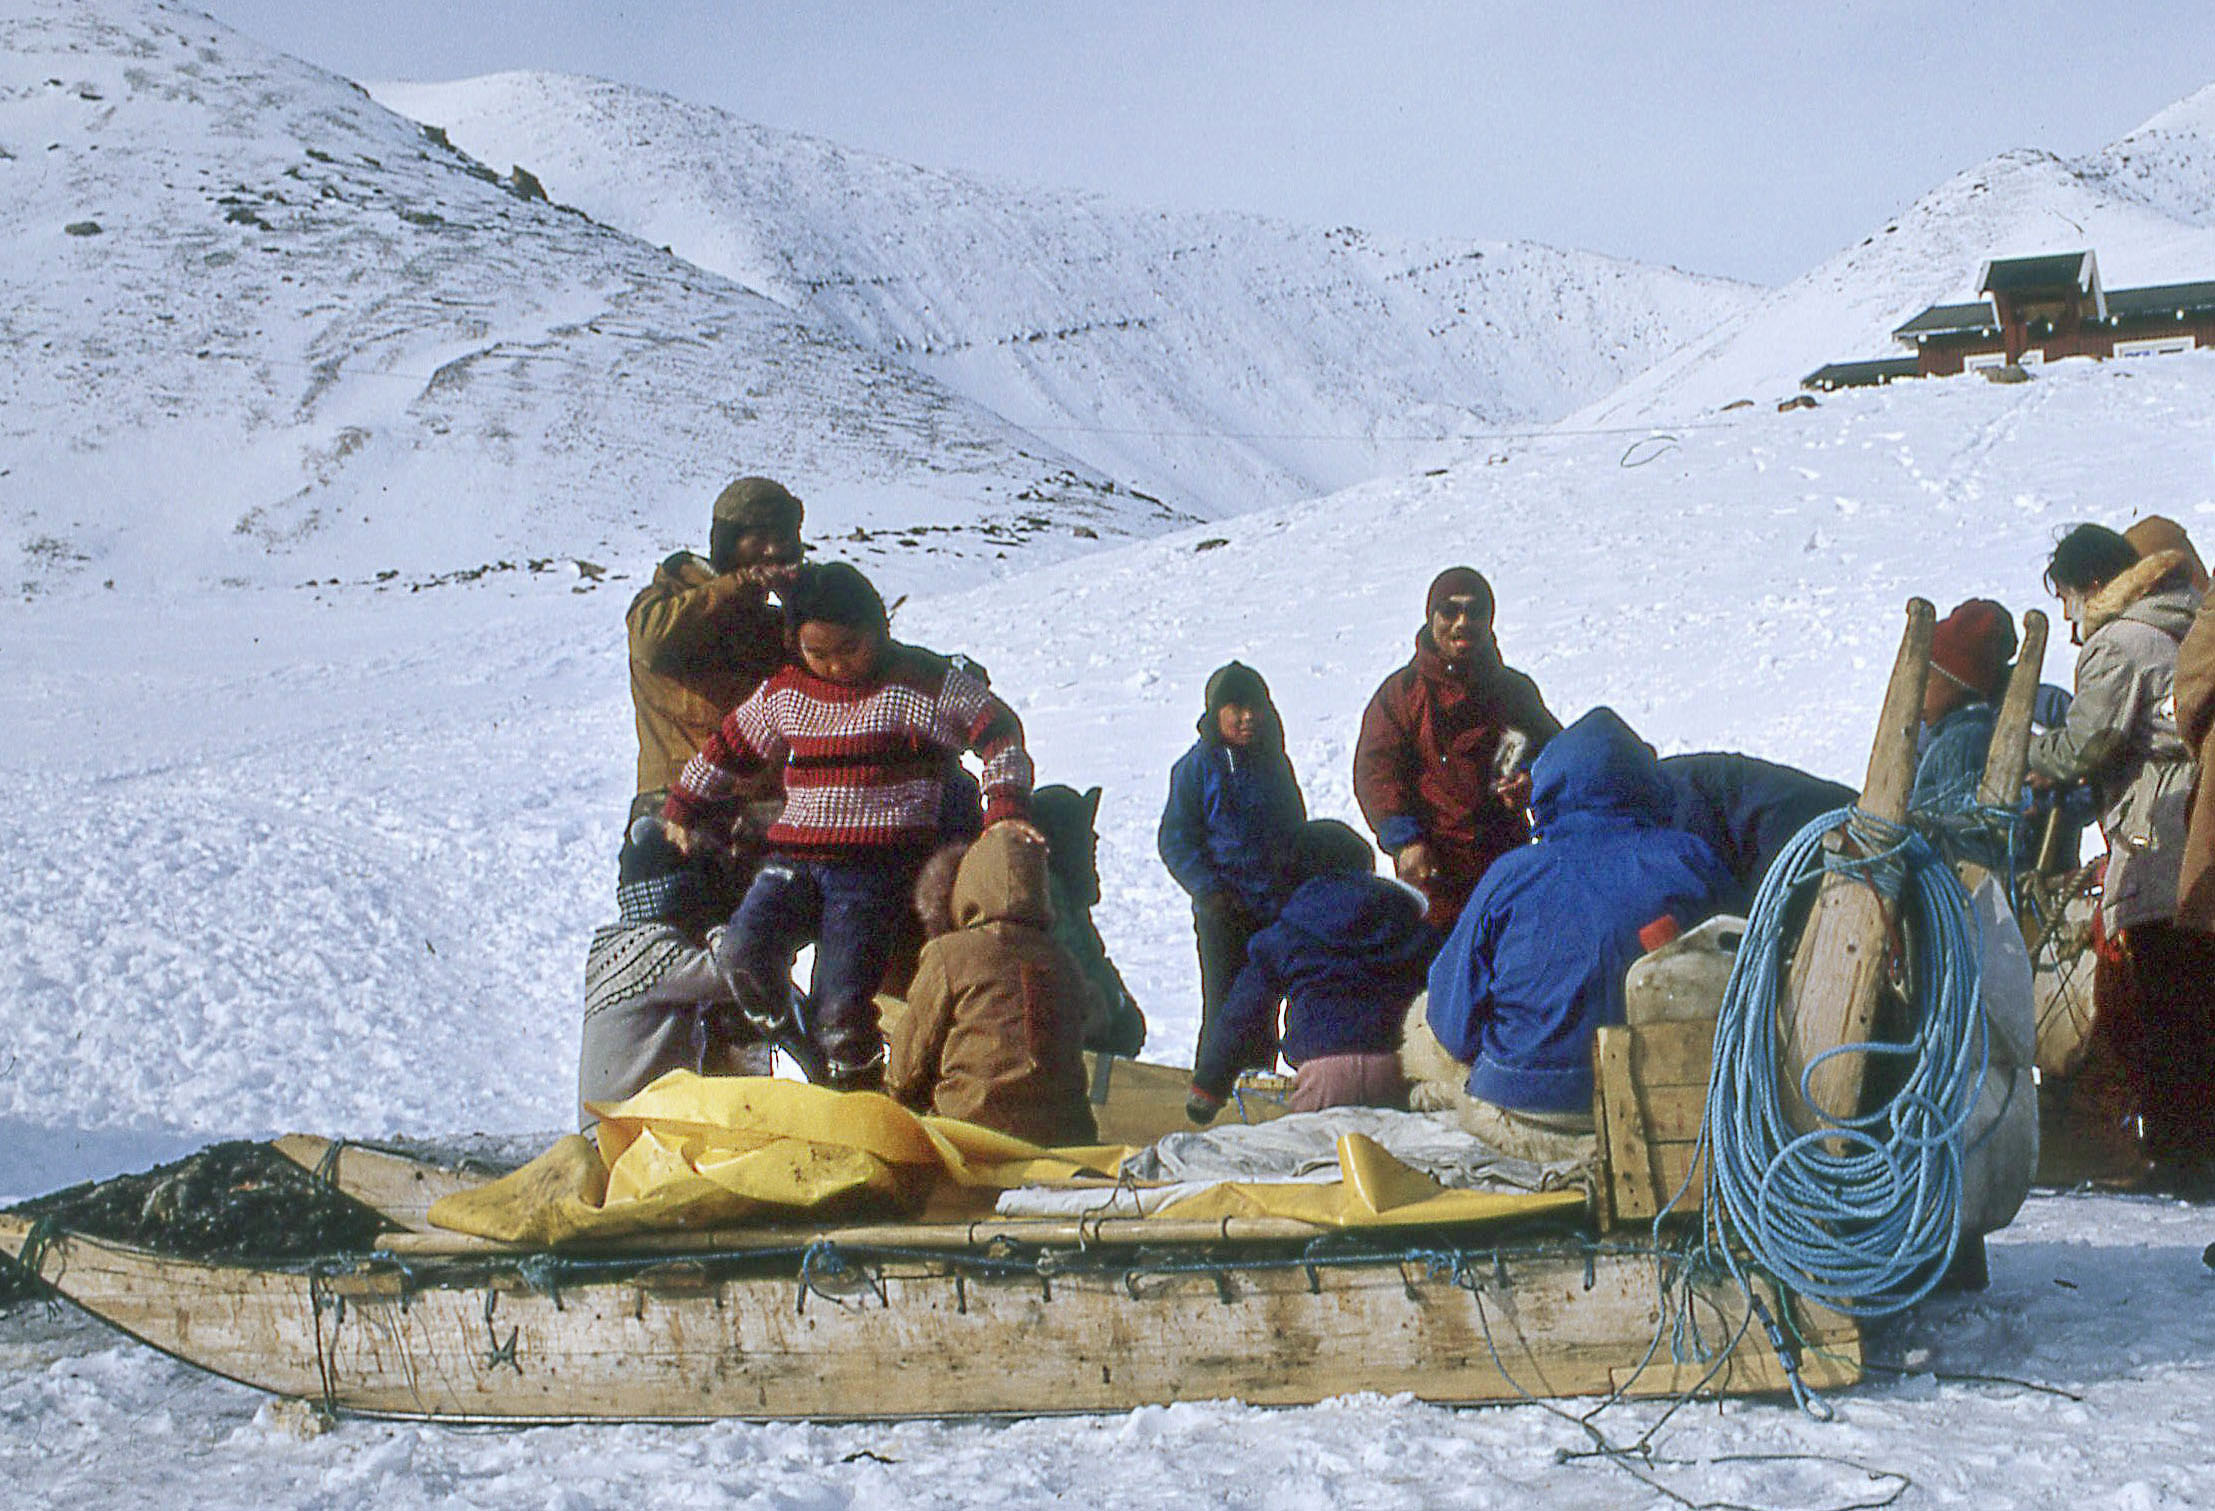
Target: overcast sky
1746,139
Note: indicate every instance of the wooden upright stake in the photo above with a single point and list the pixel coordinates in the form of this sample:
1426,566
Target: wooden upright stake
2009,756
1832,997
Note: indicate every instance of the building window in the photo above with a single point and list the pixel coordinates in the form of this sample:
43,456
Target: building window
2162,346
1979,361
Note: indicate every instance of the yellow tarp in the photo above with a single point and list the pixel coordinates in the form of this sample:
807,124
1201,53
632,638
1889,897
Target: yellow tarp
693,1152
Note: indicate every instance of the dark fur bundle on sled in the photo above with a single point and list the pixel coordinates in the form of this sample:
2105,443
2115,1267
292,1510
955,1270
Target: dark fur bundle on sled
237,1201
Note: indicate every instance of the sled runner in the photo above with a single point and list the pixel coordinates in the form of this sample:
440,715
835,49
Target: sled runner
993,1317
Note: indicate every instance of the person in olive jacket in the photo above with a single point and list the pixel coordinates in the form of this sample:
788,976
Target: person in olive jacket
703,636
1439,769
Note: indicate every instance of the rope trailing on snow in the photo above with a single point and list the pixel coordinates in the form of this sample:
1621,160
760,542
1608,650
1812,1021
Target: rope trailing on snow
1862,1212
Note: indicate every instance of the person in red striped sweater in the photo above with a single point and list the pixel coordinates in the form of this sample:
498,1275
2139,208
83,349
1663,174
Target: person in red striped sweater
865,729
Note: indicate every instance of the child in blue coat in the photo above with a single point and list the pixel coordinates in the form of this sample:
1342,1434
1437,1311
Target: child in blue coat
1346,956
1226,835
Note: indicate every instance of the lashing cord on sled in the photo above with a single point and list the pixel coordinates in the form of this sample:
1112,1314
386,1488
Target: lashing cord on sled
1860,1213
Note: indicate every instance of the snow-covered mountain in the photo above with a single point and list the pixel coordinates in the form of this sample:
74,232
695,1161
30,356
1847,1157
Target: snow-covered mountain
2145,204
262,330
1218,361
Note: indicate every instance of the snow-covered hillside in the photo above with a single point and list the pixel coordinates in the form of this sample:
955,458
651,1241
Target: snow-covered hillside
262,330
2145,204
1218,361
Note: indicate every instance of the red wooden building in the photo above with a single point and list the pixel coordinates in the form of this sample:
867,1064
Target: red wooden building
2040,309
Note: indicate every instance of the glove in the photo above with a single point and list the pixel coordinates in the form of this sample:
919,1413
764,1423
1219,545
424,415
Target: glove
1201,1106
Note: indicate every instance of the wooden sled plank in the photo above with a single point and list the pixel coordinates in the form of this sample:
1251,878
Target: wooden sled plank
903,1337
399,1187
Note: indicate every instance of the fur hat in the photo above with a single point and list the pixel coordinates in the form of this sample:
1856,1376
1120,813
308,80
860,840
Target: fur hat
2155,534
934,889
758,503
1973,645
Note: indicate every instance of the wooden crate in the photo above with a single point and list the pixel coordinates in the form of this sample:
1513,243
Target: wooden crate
1649,1092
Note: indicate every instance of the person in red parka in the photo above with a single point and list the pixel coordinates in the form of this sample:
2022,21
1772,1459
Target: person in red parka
1439,770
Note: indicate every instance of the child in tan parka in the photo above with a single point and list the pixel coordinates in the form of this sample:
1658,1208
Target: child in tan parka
994,1031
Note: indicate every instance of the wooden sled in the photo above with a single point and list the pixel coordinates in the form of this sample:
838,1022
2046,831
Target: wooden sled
1015,1317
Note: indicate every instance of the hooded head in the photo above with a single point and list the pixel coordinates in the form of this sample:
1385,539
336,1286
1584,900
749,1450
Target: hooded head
2155,534
1003,880
1238,685
1067,818
1599,768
1326,847
1457,617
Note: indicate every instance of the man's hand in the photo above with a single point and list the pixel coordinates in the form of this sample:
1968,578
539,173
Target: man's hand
1514,790
1412,863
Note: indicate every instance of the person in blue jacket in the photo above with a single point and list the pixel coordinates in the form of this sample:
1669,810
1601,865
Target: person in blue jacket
1747,810
1227,830
1346,958
1537,960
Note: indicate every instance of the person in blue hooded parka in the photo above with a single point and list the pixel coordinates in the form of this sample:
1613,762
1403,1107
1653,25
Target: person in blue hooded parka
1537,960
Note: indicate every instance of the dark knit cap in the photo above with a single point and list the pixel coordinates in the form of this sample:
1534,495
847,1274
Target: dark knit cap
1459,582
1236,682
758,503
653,880
1973,645
1326,847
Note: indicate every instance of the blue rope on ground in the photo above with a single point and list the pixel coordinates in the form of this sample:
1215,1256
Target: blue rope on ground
1862,1212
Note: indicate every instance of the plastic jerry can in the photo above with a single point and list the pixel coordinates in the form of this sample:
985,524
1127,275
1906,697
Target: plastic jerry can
1684,979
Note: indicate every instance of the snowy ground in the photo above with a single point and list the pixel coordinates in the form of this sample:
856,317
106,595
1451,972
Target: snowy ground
2082,1377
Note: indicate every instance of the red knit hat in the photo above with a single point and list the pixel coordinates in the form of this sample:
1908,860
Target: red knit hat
1973,645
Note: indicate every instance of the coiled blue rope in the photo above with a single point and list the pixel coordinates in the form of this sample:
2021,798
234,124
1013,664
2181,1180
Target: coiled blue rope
1862,1212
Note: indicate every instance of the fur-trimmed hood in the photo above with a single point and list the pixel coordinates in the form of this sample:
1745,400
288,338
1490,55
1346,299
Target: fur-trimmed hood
2164,572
